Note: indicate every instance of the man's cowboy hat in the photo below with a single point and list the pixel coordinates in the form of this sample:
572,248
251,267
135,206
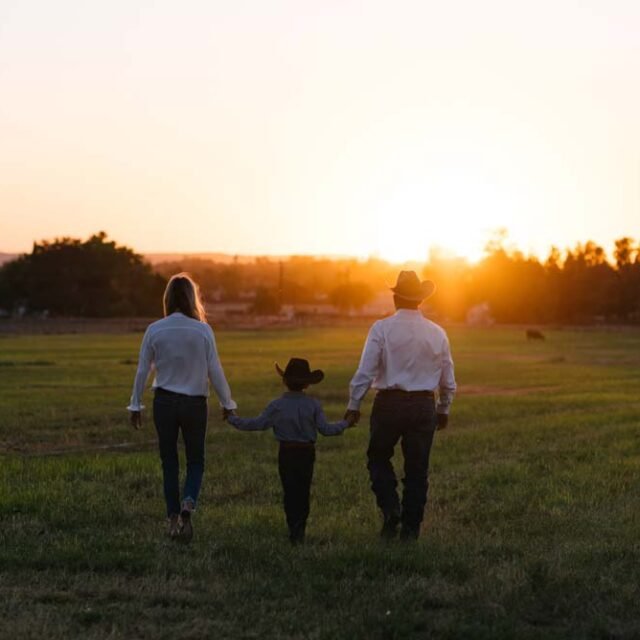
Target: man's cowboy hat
298,372
409,287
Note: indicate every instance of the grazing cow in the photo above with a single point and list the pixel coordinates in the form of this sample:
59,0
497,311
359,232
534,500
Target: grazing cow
534,334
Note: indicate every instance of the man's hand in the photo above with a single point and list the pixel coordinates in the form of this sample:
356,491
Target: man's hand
443,421
228,412
352,416
136,419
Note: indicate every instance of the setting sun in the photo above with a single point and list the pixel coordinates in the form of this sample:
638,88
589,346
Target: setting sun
439,214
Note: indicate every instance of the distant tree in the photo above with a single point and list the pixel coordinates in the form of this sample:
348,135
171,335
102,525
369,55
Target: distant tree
352,295
553,277
513,285
231,280
265,302
554,259
588,285
624,252
627,257
95,278
497,241
295,293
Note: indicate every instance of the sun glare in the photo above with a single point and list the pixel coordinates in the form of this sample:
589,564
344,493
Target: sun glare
454,219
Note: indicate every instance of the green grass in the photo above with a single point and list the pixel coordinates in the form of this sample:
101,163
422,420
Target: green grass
532,527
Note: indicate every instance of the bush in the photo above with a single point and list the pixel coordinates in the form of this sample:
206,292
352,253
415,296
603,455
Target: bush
96,278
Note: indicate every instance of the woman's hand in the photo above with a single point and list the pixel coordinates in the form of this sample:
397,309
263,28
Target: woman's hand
136,419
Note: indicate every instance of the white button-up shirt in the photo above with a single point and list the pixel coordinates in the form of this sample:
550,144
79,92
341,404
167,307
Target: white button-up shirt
183,352
405,351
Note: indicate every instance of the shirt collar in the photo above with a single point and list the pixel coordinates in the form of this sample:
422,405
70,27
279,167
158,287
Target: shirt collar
408,312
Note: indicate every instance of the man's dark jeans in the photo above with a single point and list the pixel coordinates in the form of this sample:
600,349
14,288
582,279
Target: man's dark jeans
295,464
411,418
173,412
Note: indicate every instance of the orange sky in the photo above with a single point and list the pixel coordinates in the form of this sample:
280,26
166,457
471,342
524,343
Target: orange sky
377,128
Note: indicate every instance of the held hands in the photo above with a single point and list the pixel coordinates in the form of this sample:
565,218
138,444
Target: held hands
228,412
135,417
352,416
443,421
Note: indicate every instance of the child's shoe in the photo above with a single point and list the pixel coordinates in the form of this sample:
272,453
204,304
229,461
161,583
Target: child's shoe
409,534
390,526
296,533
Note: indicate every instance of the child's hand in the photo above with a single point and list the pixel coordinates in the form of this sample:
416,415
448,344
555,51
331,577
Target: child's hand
352,417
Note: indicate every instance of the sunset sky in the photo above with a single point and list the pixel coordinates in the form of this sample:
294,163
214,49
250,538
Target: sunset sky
363,128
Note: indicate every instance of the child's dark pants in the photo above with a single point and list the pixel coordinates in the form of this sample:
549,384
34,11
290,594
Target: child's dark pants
295,464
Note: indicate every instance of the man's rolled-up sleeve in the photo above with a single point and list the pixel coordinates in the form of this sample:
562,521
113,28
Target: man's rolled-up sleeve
367,369
447,385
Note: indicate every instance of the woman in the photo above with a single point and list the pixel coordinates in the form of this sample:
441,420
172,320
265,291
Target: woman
182,349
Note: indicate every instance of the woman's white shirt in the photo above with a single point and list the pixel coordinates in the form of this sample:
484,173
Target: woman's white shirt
183,353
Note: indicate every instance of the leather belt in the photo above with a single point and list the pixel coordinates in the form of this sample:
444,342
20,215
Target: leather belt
401,393
159,391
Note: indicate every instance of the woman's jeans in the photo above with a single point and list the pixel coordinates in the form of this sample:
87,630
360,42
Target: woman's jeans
411,419
172,412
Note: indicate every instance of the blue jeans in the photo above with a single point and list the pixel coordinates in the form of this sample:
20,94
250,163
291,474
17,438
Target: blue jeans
173,412
411,419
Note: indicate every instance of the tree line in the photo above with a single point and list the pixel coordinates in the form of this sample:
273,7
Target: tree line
577,286
99,278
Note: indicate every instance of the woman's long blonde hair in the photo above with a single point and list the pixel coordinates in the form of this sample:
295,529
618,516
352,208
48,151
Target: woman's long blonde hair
183,294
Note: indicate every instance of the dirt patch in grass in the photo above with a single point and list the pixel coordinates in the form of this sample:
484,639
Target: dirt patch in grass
26,363
53,449
99,448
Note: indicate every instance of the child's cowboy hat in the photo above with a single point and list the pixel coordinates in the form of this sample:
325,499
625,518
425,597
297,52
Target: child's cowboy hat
298,372
409,287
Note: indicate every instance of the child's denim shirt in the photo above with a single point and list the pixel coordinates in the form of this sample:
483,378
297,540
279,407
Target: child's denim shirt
294,417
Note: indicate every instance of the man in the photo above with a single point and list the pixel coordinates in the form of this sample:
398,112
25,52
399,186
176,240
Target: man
407,359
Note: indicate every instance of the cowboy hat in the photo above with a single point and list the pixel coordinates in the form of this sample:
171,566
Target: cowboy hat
409,287
298,372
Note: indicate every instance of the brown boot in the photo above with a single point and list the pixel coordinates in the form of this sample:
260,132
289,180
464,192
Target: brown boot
186,530
173,526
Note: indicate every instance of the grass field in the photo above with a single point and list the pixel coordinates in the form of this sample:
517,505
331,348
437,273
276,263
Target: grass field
533,519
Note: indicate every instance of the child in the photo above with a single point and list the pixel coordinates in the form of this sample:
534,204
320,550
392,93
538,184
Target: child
295,418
